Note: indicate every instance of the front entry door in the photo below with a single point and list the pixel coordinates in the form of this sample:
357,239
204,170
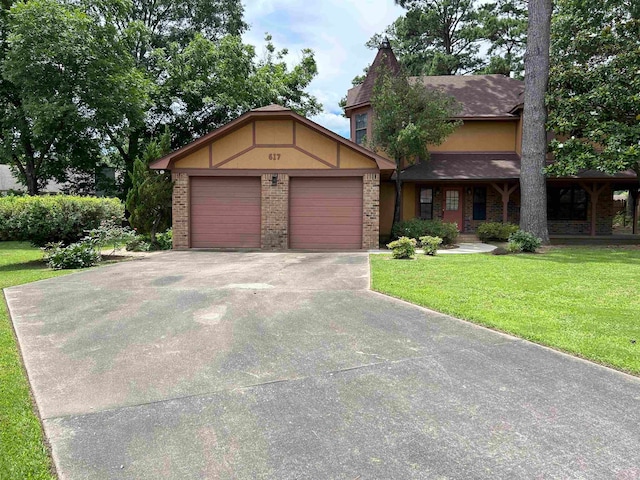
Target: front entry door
452,207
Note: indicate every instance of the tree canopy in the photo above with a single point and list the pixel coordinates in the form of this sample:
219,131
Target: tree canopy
594,94
446,37
91,82
408,118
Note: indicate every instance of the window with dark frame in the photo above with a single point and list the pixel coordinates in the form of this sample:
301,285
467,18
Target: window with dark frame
426,203
567,203
480,203
361,127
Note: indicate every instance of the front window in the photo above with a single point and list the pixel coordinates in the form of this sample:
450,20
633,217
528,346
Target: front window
567,203
479,203
361,127
426,203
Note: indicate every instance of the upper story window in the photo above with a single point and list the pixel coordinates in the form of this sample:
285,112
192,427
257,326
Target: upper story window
361,127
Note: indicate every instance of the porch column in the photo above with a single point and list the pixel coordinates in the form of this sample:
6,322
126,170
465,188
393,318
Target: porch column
505,192
594,193
633,198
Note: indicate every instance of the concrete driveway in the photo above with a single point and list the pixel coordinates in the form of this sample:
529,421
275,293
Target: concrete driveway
285,366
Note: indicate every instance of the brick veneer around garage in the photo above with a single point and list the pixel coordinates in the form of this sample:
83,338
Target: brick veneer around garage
371,211
275,212
180,211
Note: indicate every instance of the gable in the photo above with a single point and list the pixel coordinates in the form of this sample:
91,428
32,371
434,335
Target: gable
275,144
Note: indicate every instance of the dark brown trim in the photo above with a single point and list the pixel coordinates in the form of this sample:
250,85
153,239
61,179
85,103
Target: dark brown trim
167,161
315,157
505,193
233,157
233,172
275,145
594,195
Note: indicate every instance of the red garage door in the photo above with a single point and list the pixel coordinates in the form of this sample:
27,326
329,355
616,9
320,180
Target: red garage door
325,213
225,212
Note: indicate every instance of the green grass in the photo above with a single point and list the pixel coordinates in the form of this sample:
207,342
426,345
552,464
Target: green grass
23,454
585,301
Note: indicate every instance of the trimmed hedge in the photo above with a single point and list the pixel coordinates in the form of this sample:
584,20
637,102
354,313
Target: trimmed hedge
497,231
416,228
58,218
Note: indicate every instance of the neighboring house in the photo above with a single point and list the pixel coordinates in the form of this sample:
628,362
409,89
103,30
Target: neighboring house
473,177
9,183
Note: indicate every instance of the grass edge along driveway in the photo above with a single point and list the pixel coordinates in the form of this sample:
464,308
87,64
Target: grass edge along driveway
581,300
23,452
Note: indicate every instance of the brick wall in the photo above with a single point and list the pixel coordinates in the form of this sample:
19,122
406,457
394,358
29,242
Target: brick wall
604,216
371,211
494,208
275,212
180,211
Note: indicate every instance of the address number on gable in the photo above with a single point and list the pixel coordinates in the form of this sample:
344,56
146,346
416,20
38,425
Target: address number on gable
274,156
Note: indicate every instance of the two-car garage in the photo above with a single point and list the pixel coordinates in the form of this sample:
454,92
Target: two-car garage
273,179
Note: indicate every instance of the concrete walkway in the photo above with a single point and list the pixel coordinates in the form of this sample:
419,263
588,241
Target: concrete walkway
461,248
285,366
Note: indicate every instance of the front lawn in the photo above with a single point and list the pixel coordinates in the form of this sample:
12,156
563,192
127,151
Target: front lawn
23,454
585,301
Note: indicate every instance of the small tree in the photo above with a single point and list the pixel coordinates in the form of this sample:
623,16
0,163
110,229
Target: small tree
149,200
407,118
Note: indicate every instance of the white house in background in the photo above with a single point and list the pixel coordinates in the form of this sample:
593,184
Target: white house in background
9,183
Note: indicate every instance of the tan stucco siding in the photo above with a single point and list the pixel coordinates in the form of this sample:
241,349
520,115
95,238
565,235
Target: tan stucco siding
408,201
232,144
198,159
519,137
275,158
319,145
351,159
274,132
481,136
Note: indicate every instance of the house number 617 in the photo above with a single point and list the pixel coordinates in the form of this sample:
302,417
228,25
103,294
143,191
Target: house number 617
274,156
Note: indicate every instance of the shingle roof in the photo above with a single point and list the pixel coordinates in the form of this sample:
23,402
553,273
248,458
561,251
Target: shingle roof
9,182
483,166
271,108
480,95
385,59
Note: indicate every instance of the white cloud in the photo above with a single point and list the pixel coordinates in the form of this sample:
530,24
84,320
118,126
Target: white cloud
336,30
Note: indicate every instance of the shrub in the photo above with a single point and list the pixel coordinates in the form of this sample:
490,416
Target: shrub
525,241
164,240
416,228
76,255
496,231
109,233
58,218
139,243
430,244
404,247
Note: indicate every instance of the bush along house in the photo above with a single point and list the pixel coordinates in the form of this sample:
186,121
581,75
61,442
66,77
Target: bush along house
473,177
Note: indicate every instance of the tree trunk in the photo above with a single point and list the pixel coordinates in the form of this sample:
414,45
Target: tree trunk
533,211
396,210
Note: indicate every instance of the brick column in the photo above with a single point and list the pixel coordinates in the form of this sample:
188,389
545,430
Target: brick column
371,211
180,211
275,212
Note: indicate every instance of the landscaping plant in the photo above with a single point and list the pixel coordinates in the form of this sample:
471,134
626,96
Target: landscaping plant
416,228
524,242
77,255
496,231
430,244
404,247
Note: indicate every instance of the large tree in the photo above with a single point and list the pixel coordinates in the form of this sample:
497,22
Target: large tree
594,98
435,37
533,211
108,76
408,118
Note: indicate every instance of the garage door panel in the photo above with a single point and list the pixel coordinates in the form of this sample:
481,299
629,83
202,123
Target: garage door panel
225,212
326,213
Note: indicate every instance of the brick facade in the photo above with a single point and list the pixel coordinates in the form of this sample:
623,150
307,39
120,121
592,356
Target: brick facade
180,211
371,211
275,212
604,218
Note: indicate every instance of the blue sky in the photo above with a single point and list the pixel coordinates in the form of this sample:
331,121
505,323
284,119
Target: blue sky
336,30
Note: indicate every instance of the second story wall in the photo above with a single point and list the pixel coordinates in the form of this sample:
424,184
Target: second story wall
482,136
